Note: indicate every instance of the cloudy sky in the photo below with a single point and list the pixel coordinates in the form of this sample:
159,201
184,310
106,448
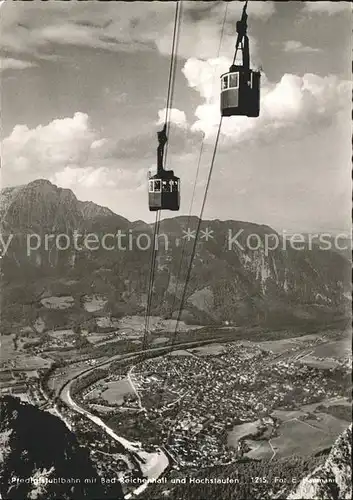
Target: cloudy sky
84,87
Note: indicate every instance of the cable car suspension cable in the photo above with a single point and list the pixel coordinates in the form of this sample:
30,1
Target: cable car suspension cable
197,170
172,72
170,94
172,67
182,302
196,175
198,228
151,280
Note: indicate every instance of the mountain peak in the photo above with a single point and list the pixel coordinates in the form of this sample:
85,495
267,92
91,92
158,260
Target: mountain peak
40,203
40,182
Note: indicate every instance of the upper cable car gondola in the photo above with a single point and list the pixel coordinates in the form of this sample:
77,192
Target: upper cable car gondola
240,87
164,186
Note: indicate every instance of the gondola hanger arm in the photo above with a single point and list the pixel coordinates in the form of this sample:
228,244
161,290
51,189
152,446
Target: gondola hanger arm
162,140
242,38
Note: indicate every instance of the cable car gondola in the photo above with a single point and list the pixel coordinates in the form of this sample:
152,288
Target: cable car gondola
164,186
240,86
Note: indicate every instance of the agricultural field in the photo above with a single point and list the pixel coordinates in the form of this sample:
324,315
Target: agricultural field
136,323
17,359
27,341
7,347
117,390
260,450
296,429
60,334
160,340
96,337
338,401
318,363
284,345
180,352
285,415
58,302
294,436
242,430
328,424
208,350
335,350
28,362
6,377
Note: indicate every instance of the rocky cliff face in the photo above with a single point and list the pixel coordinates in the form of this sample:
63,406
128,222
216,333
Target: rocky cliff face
235,277
332,480
90,210
41,459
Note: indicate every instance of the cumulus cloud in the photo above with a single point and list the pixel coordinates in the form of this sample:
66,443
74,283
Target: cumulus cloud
72,154
174,116
103,177
67,148
295,102
87,177
323,7
296,46
62,142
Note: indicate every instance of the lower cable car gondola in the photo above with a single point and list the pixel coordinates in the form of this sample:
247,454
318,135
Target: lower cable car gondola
164,186
164,191
240,86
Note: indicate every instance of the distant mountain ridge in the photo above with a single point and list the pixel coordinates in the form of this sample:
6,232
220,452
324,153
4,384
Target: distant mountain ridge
230,280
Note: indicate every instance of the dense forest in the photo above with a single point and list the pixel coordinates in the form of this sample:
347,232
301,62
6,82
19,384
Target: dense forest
258,479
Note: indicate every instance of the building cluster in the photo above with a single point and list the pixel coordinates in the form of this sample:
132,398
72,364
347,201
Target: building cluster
23,384
191,402
188,402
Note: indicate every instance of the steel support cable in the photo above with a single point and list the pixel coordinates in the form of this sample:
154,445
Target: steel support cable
151,279
194,250
170,96
182,302
197,174
188,223
170,93
198,228
172,73
175,42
